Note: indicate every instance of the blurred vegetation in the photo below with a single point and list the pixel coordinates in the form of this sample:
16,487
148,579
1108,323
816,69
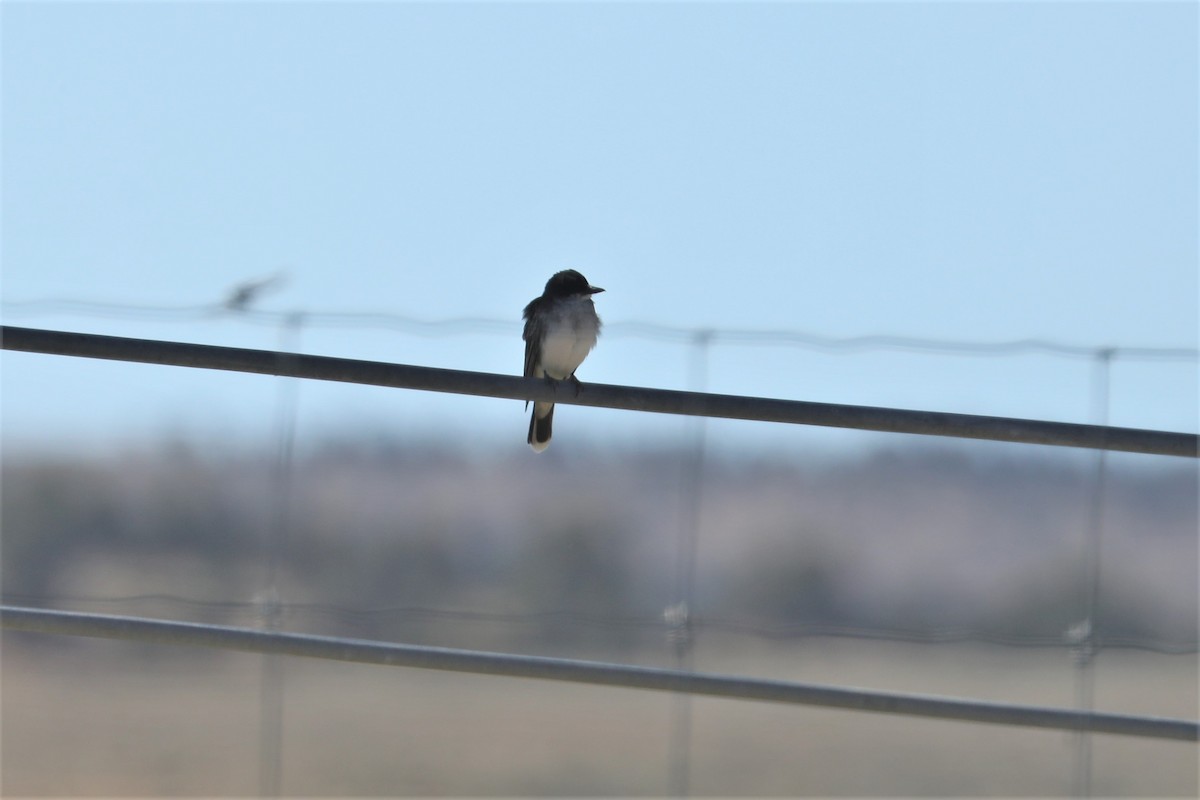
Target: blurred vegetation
401,542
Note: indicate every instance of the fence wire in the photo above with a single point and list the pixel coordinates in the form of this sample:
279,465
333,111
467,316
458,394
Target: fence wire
472,326
651,625
587,672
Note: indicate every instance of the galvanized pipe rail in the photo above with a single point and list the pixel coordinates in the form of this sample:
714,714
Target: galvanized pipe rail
632,398
586,672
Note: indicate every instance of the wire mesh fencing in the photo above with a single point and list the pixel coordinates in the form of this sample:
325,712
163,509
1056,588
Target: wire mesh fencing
274,641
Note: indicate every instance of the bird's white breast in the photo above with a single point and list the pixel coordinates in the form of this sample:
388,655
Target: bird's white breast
570,335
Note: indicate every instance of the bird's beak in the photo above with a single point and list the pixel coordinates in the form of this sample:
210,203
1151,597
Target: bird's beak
594,290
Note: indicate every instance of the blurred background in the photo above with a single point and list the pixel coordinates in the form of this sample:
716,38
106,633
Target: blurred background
971,207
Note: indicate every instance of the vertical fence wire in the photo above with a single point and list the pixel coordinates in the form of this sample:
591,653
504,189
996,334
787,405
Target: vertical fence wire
1084,638
679,616
271,697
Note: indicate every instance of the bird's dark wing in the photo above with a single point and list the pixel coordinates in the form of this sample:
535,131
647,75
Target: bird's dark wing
532,336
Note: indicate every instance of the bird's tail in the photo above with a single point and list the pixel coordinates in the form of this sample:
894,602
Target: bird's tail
540,423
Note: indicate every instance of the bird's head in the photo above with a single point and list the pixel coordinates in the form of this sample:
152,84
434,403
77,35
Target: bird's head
567,283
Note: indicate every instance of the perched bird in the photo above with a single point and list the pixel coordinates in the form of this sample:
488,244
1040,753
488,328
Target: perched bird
561,328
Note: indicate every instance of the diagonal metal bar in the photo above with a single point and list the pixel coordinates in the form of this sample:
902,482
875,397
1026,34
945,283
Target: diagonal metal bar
631,398
586,672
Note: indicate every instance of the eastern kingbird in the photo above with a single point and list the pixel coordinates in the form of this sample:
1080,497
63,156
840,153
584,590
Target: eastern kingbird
561,328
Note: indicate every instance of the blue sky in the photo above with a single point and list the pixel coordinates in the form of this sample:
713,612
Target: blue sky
967,171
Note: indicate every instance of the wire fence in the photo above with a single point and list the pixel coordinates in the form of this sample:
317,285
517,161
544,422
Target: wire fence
273,642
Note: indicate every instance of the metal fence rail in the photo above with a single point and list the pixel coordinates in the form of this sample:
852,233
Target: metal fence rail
585,672
630,398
